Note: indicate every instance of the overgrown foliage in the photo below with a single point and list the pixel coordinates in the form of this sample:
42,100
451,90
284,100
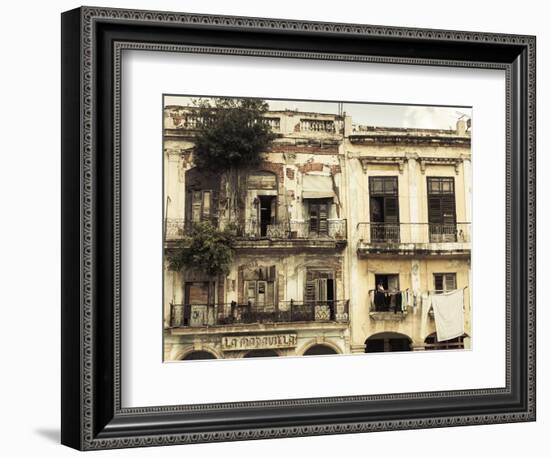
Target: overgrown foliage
233,135
205,249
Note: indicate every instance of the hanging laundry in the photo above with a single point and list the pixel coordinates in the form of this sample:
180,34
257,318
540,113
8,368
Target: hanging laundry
426,305
398,302
449,314
379,301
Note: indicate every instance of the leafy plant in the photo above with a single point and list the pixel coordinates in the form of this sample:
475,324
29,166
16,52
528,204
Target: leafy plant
233,133
206,249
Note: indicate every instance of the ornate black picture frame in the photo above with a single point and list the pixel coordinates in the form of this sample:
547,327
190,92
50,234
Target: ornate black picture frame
92,42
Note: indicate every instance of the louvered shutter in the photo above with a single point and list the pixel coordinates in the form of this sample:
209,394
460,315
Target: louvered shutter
434,210
447,203
309,296
391,210
323,218
450,282
215,204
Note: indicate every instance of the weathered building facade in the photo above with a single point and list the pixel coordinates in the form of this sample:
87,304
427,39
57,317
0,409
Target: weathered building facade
334,212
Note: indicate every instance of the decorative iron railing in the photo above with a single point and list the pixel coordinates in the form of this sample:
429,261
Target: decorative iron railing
200,315
176,228
329,229
387,233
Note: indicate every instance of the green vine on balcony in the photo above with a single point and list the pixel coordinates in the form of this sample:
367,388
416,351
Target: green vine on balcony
205,249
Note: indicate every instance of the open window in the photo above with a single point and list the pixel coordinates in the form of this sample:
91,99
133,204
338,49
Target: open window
264,187
386,289
384,209
259,288
319,287
267,213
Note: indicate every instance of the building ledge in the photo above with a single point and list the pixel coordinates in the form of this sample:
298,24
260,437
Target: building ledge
258,327
290,244
414,249
388,316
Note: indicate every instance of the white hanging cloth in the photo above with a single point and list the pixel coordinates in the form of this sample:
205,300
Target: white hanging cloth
449,314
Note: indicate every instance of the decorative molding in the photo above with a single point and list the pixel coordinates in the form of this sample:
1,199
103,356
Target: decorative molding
399,161
454,161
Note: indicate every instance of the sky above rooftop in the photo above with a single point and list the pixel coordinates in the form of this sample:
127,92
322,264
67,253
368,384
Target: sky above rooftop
371,114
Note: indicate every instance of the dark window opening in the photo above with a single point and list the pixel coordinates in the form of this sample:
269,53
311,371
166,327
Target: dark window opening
431,343
387,342
267,213
386,291
318,350
384,209
199,355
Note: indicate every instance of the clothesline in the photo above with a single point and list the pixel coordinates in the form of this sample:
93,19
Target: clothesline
429,291
388,291
445,290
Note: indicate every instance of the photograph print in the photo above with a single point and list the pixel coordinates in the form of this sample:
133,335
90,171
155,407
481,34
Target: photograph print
308,228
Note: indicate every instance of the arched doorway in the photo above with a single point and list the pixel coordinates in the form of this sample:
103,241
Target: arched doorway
194,355
387,341
431,343
317,350
261,354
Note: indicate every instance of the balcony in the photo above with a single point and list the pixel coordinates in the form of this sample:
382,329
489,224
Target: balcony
387,305
414,239
254,234
233,314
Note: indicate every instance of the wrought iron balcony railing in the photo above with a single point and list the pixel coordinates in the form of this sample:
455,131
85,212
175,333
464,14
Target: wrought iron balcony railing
200,315
329,229
176,228
388,233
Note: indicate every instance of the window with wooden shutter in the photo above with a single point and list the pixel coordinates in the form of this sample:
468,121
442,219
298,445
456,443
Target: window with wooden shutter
260,294
309,293
196,206
441,209
197,293
319,286
202,205
444,282
384,209
318,216
206,205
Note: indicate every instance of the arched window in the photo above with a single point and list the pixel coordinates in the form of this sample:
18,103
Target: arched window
387,341
431,343
194,355
317,350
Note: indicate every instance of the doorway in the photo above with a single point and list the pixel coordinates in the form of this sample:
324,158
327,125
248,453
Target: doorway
268,209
